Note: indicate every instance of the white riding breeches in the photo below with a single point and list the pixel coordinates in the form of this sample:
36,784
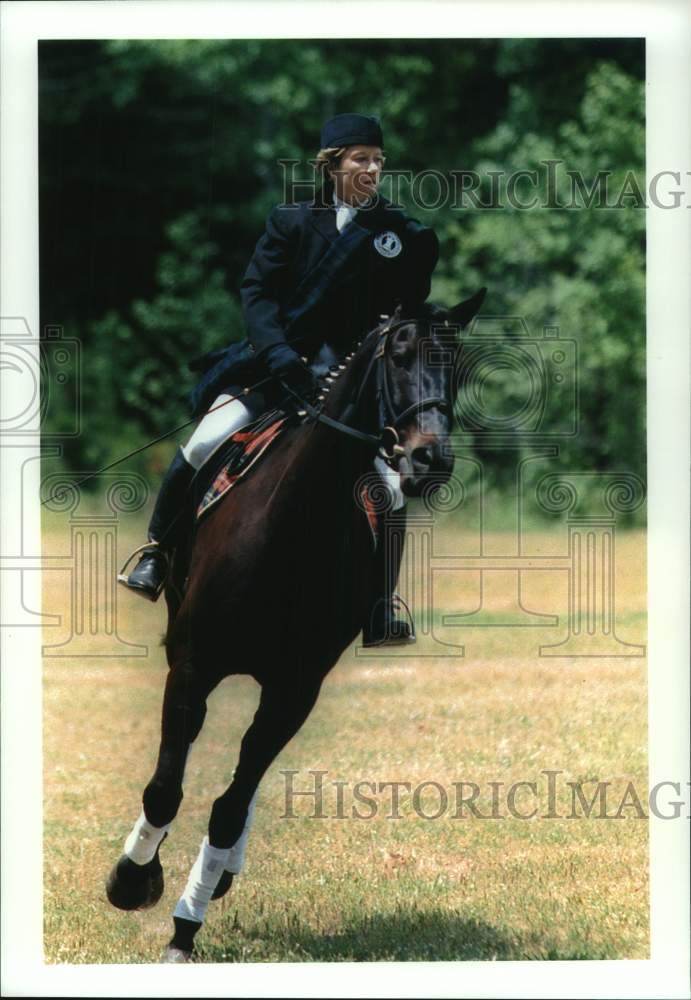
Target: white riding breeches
216,426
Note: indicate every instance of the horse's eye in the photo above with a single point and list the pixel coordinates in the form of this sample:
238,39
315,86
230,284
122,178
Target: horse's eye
403,347
401,358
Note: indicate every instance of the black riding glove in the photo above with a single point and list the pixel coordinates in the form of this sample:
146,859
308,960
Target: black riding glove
286,365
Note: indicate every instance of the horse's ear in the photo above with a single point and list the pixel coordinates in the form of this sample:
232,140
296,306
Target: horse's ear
461,314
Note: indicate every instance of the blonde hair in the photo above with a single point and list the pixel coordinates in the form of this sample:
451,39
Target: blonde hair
327,159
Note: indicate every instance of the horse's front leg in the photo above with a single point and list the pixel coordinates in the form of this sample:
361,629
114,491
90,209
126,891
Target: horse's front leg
136,881
281,713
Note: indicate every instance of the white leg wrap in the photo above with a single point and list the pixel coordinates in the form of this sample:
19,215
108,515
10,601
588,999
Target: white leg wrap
203,879
207,870
236,861
143,841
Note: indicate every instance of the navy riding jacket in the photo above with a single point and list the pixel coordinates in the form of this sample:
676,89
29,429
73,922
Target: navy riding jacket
311,286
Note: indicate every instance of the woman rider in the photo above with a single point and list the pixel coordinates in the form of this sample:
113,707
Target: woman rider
321,276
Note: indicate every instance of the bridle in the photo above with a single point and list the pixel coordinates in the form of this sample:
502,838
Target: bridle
388,414
389,420
387,441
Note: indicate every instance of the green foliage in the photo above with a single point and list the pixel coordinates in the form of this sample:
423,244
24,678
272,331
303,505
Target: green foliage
136,372
580,269
165,158
191,312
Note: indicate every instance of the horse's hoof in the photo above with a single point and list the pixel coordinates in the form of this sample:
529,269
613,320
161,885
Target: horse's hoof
135,887
175,955
224,884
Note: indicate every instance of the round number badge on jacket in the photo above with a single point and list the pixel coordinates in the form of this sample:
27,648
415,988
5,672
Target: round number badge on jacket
388,244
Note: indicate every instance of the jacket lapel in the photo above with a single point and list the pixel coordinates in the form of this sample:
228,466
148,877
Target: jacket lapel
335,262
324,221
381,215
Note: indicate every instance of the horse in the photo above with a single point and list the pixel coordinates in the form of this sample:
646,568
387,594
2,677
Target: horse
279,579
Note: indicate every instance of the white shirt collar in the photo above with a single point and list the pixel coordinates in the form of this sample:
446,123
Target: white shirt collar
338,203
344,211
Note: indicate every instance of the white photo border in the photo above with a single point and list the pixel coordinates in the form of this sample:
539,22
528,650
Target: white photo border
666,26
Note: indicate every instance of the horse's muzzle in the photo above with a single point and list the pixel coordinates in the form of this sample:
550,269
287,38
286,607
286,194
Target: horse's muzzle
426,465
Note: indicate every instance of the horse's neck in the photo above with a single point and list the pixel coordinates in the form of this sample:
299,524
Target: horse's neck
333,461
349,387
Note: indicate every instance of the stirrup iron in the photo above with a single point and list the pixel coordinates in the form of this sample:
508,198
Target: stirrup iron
123,577
399,604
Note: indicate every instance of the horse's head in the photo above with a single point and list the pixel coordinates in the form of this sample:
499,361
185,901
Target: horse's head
415,392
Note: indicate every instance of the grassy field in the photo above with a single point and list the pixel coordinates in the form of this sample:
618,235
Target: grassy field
343,888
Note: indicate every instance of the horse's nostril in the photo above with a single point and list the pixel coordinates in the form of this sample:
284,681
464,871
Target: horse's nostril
423,456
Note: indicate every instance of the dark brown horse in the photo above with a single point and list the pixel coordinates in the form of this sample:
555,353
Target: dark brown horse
280,575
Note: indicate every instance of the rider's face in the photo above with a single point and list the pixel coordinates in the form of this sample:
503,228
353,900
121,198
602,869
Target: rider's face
358,172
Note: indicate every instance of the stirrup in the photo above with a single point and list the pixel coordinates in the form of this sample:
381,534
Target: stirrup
124,577
398,603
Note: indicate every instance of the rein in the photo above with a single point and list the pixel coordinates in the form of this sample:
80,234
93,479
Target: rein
390,420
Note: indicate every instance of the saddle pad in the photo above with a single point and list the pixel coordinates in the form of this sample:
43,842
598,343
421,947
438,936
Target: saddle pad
368,507
240,452
245,447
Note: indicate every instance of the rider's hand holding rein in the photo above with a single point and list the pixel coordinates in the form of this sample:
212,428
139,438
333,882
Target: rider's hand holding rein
321,276
286,365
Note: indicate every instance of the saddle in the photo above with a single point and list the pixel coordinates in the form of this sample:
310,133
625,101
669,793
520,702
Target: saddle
235,457
242,451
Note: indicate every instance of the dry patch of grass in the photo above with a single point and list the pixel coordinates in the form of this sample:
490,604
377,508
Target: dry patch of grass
340,887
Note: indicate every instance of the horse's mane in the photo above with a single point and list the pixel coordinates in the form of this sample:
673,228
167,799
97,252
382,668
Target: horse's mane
423,311
428,310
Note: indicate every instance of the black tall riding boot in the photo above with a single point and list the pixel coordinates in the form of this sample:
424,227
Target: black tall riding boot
382,628
149,575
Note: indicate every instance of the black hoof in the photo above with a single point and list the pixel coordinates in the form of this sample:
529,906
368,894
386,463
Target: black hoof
135,887
177,955
224,884
181,947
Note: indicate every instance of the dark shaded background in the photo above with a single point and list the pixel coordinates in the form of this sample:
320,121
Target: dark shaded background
158,166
